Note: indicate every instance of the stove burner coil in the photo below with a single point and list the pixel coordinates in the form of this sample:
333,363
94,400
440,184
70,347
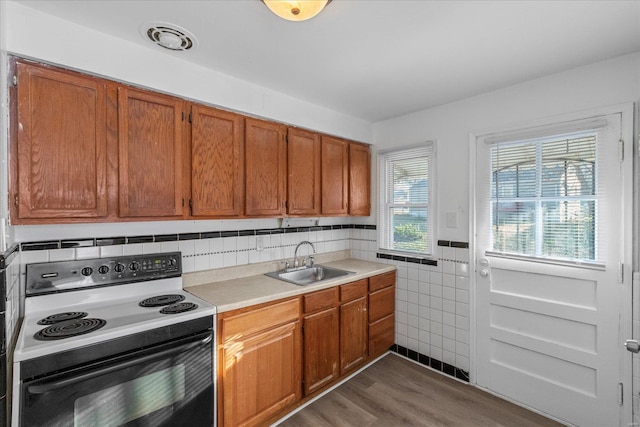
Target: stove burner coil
62,317
69,328
179,308
160,300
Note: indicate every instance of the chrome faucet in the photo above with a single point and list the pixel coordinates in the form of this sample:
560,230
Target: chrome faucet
295,253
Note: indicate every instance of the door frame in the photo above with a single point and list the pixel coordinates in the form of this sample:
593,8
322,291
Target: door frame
626,110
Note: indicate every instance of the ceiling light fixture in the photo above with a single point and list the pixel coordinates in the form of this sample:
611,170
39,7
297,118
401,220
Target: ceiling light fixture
300,10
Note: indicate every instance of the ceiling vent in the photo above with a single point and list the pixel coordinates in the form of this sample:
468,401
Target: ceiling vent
169,36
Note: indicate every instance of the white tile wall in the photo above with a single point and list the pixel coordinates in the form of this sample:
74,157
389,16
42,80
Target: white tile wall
432,302
12,311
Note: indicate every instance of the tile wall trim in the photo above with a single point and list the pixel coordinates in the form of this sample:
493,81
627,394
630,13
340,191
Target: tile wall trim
423,261
123,240
445,368
450,244
7,256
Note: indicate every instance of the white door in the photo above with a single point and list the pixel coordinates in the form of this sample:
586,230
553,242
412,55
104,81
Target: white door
552,297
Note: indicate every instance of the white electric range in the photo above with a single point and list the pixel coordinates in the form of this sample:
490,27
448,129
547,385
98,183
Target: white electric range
96,330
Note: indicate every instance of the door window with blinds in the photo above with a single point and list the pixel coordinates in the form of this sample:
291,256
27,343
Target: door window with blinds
544,194
405,200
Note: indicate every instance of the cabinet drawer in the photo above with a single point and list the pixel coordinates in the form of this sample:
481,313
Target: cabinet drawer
253,321
382,281
353,290
381,335
382,303
320,300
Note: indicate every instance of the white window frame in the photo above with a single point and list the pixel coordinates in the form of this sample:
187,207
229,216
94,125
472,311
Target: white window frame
385,199
593,124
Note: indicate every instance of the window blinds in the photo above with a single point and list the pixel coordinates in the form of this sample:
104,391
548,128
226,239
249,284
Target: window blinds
405,208
544,193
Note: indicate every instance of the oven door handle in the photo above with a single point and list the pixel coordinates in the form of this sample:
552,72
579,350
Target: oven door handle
53,385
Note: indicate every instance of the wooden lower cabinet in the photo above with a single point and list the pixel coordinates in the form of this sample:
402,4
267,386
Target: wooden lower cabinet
382,307
320,340
259,363
267,364
321,349
353,325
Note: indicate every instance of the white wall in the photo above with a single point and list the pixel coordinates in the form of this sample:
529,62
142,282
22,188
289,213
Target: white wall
50,39
46,38
606,83
5,231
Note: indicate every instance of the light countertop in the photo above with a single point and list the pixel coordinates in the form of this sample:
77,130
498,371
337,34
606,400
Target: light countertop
238,287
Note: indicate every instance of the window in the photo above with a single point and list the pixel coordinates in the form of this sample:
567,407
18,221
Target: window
544,197
406,200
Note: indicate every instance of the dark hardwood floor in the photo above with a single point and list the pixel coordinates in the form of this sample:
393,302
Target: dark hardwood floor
397,392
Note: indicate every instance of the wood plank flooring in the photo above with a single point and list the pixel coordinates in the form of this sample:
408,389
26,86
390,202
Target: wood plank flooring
397,392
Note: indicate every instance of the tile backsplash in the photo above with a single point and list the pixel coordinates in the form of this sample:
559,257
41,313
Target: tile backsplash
432,296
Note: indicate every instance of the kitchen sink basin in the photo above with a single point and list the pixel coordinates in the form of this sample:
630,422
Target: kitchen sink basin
309,275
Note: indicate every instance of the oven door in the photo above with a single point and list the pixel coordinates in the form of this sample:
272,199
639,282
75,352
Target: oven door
167,385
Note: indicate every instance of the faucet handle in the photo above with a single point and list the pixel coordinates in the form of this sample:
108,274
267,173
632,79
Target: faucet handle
311,260
286,264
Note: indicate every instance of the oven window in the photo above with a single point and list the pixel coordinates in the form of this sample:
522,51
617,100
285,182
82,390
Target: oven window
133,399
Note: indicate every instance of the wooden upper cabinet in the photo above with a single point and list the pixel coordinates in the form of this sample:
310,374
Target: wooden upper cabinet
61,168
265,168
150,148
359,179
303,183
335,176
217,163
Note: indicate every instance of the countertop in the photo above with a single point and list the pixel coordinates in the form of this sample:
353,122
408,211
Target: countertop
239,287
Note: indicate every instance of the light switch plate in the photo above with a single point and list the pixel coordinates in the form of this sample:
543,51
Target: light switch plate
452,219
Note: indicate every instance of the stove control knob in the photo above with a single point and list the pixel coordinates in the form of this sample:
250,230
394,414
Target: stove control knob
134,266
171,262
119,268
87,271
103,269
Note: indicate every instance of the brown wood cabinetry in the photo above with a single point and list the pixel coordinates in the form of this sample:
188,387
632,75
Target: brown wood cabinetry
382,296
353,325
87,149
321,324
61,147
359,179
150,142
335,176
303,180
266,360
259,363
266,168
217,163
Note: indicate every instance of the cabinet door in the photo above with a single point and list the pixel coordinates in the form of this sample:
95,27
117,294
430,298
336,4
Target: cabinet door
381,335
321,350
266,168
261,374
61,145
150,150
335,176
353,334
217,163
359,180
303,183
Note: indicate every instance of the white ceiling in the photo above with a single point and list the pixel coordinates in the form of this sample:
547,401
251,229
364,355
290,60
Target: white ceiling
377,59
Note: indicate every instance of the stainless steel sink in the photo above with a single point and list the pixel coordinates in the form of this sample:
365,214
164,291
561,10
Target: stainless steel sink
309,275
